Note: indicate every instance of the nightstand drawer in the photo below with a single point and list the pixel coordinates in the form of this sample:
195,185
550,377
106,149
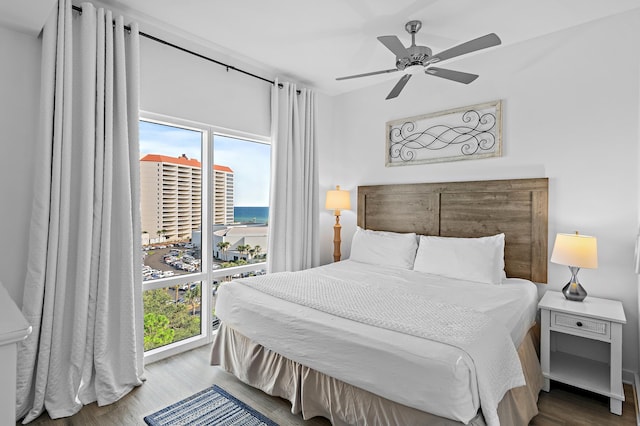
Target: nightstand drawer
599,328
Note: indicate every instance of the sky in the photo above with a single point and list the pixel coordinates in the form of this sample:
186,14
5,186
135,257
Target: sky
250,161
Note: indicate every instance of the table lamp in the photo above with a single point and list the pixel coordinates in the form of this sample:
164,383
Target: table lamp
337,200
576,251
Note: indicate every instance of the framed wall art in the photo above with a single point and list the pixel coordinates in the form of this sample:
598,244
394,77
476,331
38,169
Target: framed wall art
466,133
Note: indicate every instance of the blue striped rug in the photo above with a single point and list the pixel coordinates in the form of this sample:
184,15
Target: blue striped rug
212,406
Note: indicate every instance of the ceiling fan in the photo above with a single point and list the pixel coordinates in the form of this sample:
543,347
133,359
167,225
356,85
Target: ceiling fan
414,59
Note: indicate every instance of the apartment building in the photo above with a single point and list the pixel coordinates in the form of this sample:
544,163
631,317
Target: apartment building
171,196
222,195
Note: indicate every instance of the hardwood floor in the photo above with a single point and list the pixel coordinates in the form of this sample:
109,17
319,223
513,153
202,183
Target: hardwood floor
566,405
171,380
178,377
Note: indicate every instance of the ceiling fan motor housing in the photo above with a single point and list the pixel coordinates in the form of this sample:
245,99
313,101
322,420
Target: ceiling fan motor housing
418,55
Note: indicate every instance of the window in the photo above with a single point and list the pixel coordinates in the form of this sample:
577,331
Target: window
193,179
242,174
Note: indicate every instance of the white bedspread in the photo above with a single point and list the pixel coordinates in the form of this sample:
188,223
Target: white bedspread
374,335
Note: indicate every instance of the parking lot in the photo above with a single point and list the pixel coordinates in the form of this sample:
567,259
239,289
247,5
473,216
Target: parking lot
166,261
170,260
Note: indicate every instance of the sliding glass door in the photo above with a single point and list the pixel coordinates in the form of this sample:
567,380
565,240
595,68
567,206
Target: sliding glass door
204,210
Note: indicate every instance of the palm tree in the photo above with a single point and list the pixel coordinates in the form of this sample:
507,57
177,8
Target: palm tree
192,297
240,249
223,246
243,248
257,250
160,233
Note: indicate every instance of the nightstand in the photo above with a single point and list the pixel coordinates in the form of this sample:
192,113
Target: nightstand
595,319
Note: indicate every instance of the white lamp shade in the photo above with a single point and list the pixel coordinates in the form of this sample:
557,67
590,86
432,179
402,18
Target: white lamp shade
338,199
575,250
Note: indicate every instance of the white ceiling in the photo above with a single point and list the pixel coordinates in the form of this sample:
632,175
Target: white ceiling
27,16
315,41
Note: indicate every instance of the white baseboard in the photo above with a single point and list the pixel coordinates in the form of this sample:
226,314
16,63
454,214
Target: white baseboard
628,376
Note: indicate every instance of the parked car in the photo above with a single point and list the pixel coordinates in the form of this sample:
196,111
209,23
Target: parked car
188,286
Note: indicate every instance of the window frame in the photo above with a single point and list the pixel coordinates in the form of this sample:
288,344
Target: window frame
207,274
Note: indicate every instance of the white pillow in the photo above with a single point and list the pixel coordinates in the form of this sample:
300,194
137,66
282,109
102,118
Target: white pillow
384,248
472,259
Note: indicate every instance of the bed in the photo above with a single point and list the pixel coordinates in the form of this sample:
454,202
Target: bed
389,349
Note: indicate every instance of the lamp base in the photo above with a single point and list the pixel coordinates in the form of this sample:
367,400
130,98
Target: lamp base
336,238
574,291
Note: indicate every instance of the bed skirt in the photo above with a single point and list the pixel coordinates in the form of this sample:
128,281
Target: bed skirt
315,394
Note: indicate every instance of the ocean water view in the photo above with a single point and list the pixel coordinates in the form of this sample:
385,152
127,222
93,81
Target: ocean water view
251,214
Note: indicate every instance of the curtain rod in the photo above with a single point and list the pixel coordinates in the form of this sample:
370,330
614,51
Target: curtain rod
191,52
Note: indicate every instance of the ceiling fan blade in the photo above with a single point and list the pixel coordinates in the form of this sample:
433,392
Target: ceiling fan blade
367,74
394,44
479,43
459,76
398,87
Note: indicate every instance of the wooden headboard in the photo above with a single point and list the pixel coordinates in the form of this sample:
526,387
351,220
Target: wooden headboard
517,207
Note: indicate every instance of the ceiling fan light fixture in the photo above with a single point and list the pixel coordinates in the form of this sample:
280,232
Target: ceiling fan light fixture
414,69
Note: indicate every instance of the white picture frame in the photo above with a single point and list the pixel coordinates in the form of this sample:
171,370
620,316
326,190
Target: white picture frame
466,133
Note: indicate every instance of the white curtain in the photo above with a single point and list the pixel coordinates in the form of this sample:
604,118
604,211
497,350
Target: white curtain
293,211
83,288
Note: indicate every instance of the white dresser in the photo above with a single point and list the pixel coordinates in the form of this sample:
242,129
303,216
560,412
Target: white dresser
13,329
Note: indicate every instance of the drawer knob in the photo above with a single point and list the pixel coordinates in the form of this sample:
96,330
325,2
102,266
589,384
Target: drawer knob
579,324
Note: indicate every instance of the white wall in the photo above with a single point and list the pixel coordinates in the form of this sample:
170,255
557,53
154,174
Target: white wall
19,96
570,113
637,376
327,151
